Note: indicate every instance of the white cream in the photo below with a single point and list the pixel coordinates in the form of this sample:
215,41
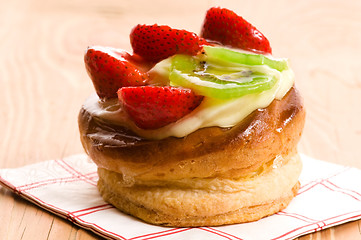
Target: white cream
211,112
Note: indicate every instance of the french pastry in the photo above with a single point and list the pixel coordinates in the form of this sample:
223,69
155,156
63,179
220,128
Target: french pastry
192,130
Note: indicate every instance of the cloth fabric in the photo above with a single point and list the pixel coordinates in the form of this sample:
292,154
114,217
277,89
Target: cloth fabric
330,194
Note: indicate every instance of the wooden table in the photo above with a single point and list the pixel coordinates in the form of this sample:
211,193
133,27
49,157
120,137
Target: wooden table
43,81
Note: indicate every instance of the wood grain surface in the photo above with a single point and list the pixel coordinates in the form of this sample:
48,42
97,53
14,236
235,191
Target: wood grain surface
43,81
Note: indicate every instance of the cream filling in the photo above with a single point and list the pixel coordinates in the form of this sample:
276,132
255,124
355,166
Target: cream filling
211,112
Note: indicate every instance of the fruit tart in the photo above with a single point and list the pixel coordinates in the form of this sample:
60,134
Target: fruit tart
194,130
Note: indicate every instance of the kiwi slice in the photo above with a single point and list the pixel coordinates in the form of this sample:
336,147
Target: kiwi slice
229,57
224,74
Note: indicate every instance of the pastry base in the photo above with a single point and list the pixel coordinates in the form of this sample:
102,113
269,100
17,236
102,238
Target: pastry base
242,215
207,203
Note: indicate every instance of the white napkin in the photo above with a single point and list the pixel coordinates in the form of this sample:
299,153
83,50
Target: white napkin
329,195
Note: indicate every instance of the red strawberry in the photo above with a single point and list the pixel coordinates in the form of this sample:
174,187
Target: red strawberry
152,107
156,43
111,69
226,27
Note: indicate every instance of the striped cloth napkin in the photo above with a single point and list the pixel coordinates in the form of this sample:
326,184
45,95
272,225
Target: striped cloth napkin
329,195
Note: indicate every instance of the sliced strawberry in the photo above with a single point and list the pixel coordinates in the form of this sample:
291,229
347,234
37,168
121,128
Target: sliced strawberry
226,27
158,42
111,69
152,107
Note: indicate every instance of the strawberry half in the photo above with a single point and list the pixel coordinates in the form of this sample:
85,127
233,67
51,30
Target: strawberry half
152,107
226,27
158,42
111,69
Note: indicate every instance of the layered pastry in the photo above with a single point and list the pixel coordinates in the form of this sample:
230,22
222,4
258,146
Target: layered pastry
194,130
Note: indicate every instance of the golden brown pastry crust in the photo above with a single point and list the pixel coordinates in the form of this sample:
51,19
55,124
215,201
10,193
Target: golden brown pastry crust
242,215
206,202
209,152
